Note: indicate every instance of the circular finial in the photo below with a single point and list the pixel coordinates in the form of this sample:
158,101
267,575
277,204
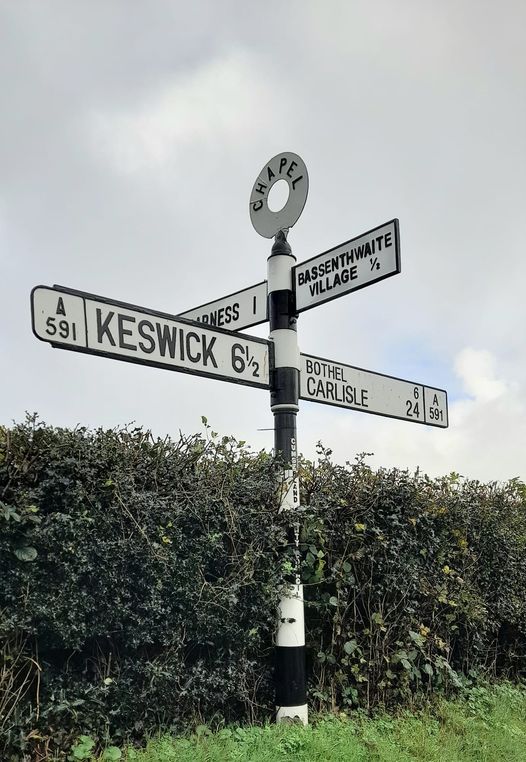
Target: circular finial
285,166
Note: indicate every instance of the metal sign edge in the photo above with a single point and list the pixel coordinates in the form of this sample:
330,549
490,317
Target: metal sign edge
161,366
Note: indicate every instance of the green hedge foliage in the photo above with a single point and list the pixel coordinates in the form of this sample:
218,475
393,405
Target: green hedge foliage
139,580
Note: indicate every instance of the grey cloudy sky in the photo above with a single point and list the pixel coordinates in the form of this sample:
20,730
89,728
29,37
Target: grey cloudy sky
131,134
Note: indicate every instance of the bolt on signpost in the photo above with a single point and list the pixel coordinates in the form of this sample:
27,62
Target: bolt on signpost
205,341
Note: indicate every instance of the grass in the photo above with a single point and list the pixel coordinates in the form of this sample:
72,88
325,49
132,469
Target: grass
487,725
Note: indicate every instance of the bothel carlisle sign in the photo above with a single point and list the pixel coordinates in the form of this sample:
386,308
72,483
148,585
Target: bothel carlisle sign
353,388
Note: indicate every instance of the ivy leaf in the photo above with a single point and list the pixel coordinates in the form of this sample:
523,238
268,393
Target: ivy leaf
111,753
26,553
350,646
10,513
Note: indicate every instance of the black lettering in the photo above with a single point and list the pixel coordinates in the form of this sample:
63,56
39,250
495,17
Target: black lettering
353,272
207,351
220,313
124,332
261,188
296,181
195,337
60,307
435,399
270,174
368,249
103,328
388,241
301,279
365,398
282,163
166,337
311,384
291,168
181,343
349,398
140,327
379,242
256,206
308,365
235,310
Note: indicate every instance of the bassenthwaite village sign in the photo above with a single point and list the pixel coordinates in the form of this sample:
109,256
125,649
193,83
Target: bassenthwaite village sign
206,341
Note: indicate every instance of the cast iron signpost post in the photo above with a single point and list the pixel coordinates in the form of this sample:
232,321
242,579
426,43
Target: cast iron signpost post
205,341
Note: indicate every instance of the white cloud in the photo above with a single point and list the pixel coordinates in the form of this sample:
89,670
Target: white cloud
477,369
214,103
486,438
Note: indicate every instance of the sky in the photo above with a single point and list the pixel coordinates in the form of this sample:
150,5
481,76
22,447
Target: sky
131,134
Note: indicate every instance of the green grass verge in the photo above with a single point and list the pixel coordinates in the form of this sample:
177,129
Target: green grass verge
487,725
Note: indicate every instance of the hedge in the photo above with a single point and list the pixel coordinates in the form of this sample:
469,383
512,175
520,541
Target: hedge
139,579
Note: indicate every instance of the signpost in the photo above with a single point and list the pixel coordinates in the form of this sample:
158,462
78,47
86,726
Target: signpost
357,389
201,341
360,262
238,311
86,323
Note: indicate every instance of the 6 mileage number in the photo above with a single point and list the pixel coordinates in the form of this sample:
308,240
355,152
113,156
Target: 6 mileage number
427,405
414,405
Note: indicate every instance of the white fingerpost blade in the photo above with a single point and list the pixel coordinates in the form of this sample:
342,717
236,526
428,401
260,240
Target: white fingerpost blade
360,262
83,322
235,312
342,385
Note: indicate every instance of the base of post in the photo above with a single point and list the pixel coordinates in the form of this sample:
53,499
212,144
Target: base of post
293,714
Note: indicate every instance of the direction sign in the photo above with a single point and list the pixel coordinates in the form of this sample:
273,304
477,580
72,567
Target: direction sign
240,310
83,322
371,257
357,389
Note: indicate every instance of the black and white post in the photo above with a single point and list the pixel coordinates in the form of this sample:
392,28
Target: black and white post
290,678
290,674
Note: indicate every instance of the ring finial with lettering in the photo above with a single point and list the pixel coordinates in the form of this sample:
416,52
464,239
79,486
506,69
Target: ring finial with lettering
285,166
